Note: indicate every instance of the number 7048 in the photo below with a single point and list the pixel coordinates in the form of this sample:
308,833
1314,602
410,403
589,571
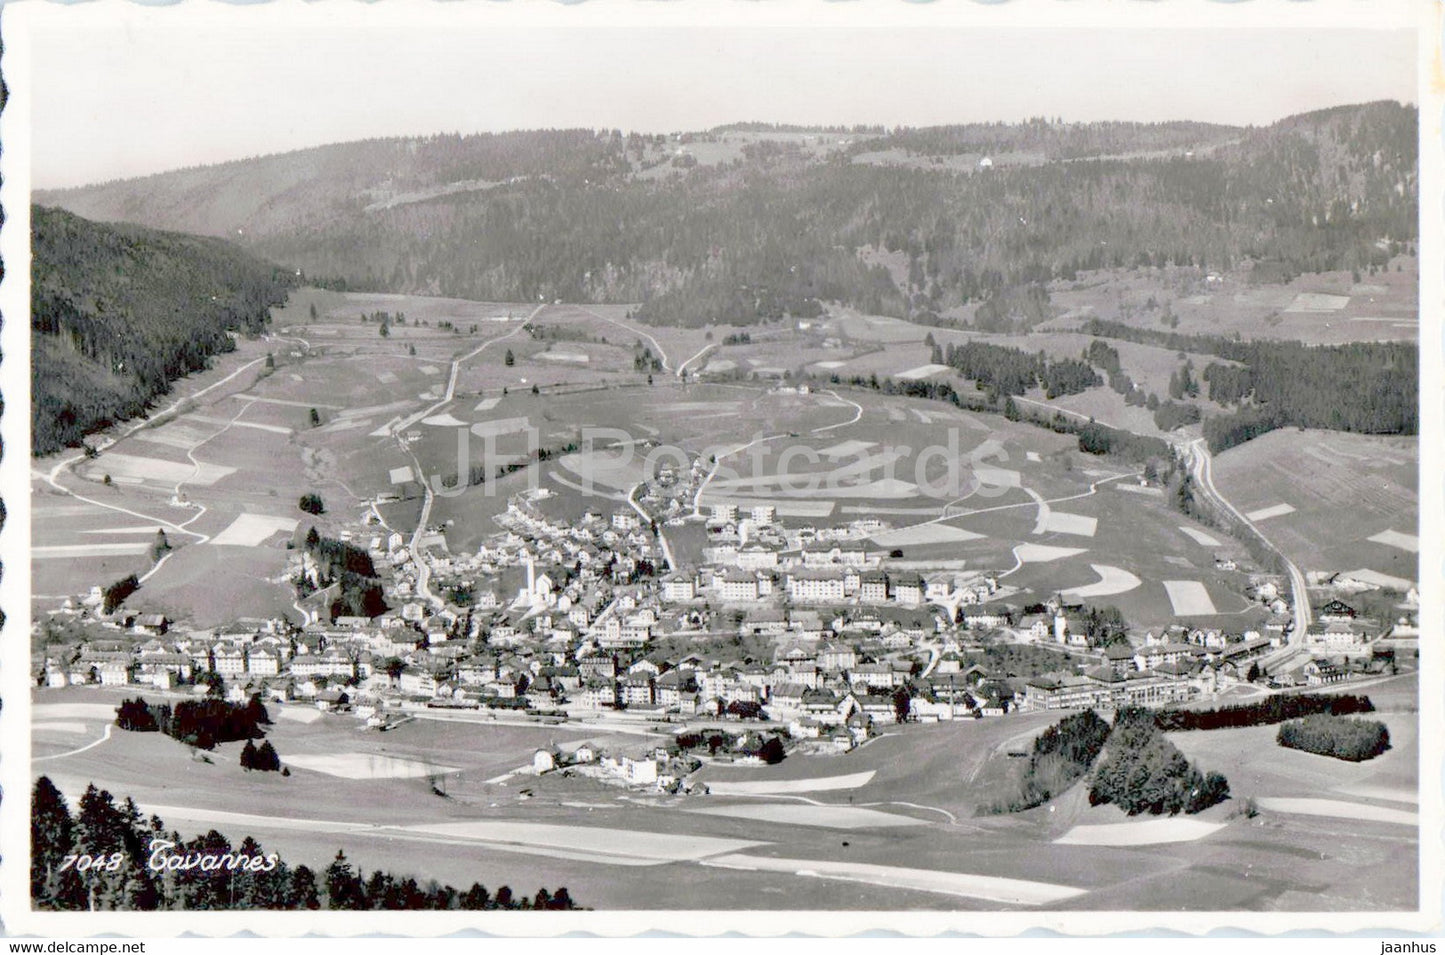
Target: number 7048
84,862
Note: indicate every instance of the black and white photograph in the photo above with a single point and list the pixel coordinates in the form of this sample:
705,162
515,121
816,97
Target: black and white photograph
637,466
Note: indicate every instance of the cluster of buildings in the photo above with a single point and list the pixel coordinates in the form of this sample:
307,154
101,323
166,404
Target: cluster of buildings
804,626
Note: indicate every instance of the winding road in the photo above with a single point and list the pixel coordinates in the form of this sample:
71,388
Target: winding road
423,571
1201,468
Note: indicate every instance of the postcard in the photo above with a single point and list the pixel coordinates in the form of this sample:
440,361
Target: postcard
710,467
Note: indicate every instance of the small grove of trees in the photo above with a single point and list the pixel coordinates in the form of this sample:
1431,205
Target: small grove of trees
1144,772
1328,735
261,758
1061,755
311,503
342,563
200,723
114,595
97,859
1275,709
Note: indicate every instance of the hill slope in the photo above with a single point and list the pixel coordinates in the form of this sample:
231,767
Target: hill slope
745,225
118,312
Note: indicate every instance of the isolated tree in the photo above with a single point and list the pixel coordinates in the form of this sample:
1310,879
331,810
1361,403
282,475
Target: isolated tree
385,329
160,546
311,503
411,349
270,362
510,359
313,538
267,761
315,417
248,756
106,480
313,311
535,390
1253,673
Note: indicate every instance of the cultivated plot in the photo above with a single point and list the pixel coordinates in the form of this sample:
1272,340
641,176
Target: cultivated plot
802,814
1189,598
251,530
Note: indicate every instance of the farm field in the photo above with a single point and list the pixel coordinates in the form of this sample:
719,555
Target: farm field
1321,308
1353,500
903,834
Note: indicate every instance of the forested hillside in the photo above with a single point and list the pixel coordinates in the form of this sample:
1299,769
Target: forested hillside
759,227
118,312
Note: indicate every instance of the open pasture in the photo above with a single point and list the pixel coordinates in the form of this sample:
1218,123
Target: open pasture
420,308
724,852
1257,765
1233,304
802,814
1136,545
366,766
251,530
1354,498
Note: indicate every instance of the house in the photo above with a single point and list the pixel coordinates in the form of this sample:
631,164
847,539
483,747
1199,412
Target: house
543,761
815,586
1323,673
676,588
263,663
878,708
416,681
736,585
229,661
876,676
115,673
597,694
837,656
636,689
908,590
1150,657
873,587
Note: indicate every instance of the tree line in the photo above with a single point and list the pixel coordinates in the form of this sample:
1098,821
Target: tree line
1274,709
100,858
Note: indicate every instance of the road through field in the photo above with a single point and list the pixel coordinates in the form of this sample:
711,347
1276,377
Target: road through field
662,355
1201,466
52,477
423,574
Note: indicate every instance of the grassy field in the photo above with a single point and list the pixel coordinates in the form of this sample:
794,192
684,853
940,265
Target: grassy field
1344,489
908,824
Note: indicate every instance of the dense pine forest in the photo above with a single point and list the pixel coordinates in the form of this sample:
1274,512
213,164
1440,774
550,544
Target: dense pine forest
777,228
118,312
109,855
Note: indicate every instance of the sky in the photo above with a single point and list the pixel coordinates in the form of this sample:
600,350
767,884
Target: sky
124,90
